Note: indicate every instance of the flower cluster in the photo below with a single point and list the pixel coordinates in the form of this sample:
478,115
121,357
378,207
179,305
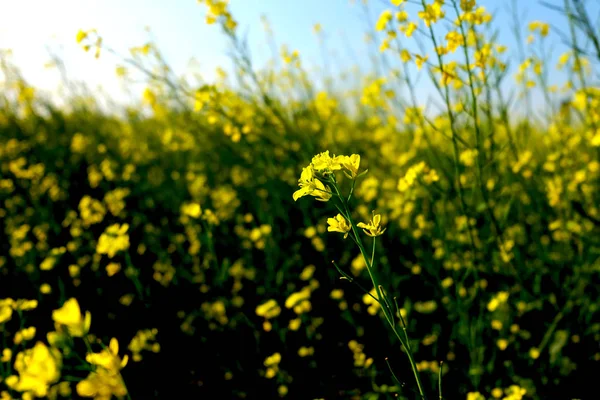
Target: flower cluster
320,169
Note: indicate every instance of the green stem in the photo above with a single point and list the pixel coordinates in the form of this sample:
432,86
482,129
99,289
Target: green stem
378,288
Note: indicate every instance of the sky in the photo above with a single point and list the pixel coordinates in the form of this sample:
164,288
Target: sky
33,28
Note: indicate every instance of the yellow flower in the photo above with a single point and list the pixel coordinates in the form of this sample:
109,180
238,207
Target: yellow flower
306,351
115,200
6,355
369,300
432,13
38,368
272,360
409,29
69,316
102,385
23,305
405,56
299,301
455,40
216,10
113,240
475,396
420,60
339,224
467,5
534,353
108,358
144,340
514,392
5,312
305,182
447,282
112,268
81,35
307,272
311,186
383,20
294,324
92,211
373,228
24,334
120,71
497,300
282,390
401,16
502,344
106,380
350,163
268,309
324,163
540,26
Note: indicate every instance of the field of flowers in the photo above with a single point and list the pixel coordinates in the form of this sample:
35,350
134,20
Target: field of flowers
275,239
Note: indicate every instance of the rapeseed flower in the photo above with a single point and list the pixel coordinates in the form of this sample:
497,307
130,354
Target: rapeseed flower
467,5
69,318
113,240
24,334
350,164
269,309
324,163
339,224
38,368
373,228
311,186
432,13
475,396
384,19
105,381
514,392
6,311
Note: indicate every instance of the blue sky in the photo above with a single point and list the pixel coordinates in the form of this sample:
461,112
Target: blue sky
31,27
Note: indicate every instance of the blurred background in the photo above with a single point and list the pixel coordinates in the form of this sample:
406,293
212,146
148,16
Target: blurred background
150,246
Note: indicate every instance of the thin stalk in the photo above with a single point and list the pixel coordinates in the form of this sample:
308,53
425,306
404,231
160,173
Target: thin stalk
446,96
381,299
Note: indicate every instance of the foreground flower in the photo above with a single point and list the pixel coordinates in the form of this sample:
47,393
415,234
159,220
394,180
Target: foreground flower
69,317
311,186
106,381
38,368
339,224
108,358
350,164
321,167
373,228
324,163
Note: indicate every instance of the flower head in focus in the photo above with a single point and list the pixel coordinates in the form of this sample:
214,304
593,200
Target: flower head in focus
314,178
373,228
339,224
324,163
310,185
350,164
